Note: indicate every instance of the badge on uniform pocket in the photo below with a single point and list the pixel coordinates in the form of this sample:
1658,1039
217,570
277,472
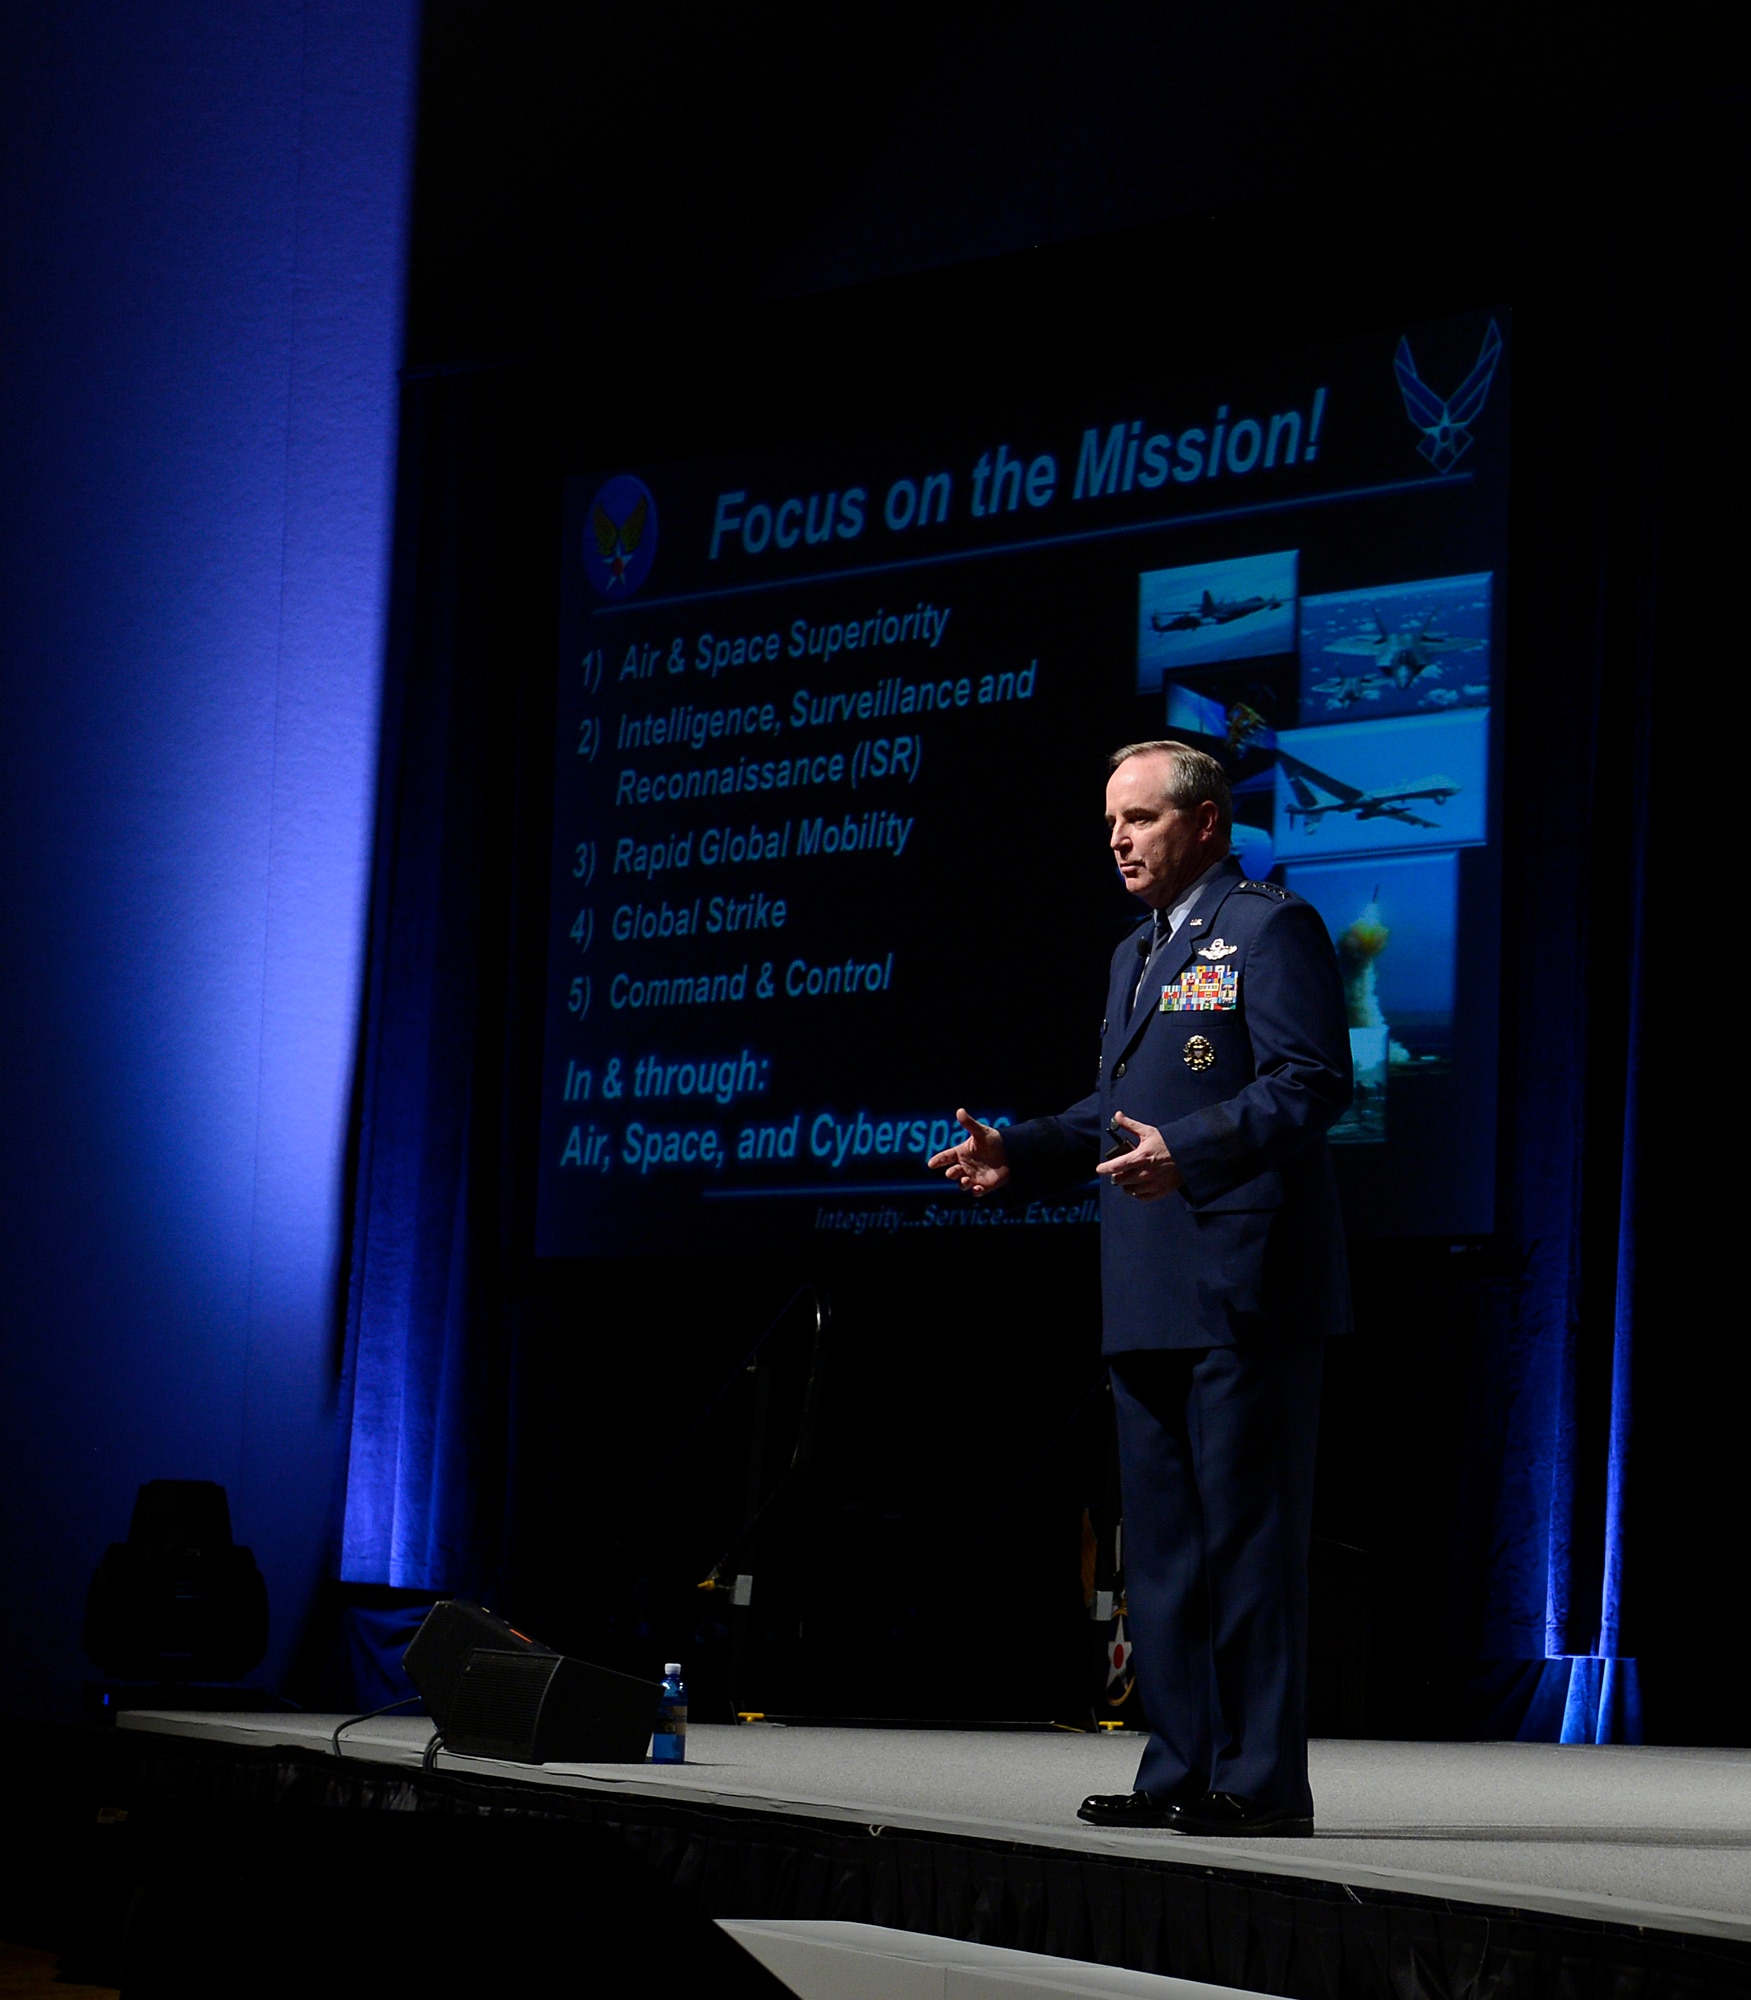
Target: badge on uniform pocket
1202,989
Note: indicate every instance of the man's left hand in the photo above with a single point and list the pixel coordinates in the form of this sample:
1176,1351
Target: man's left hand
1147,1171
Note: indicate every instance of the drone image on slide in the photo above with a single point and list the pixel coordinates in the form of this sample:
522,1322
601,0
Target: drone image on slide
1393,802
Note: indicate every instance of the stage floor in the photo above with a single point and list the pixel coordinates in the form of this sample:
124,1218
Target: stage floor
1659,1838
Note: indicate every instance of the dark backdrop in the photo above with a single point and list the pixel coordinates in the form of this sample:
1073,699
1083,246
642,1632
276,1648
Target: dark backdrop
583,167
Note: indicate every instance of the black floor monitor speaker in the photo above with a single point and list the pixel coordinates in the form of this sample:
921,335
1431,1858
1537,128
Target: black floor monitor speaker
495,1692
542,1708
439,1650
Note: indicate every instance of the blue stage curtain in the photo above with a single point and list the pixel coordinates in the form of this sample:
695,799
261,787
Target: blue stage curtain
423,1366
1600,1354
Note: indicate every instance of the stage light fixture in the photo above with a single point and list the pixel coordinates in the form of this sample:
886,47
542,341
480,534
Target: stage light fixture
178,1601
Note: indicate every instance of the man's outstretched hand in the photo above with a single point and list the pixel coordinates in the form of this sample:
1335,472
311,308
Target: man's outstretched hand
977,1164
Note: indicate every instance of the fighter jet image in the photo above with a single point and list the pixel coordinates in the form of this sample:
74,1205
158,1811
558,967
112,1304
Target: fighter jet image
1307,784
1212,611
1345,690
1403,656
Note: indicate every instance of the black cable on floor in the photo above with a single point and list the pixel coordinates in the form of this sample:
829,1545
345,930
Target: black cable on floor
388,1708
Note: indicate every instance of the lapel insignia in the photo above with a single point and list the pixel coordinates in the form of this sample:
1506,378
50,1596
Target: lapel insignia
1199,1053
1216,948
1202,989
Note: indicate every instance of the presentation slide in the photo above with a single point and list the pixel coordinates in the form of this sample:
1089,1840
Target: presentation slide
833,722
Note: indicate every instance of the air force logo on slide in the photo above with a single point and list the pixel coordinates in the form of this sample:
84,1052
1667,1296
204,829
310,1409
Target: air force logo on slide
620,536
1446,425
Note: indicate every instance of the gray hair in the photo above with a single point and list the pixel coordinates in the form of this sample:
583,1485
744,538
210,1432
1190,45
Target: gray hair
1193,776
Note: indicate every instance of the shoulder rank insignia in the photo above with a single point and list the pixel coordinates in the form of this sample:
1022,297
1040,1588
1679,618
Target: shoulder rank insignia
1262,889
1217,948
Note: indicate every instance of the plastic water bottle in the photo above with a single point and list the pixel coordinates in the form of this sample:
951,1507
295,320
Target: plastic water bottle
669,1740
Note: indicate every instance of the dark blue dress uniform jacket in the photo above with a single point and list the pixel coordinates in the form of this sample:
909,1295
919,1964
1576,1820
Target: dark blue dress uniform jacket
1252,1248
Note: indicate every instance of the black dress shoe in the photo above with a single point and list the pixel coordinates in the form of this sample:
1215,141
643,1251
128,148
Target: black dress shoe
1133,1808
1228,1813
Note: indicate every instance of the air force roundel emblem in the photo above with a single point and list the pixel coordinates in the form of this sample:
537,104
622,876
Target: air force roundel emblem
620,536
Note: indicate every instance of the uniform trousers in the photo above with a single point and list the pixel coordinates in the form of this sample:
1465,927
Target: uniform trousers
1216,1458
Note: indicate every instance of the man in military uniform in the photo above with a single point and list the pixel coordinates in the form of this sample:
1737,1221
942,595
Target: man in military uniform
1224,1058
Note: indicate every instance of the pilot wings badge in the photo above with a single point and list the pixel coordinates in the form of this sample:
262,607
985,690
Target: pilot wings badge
1446,426
1216,948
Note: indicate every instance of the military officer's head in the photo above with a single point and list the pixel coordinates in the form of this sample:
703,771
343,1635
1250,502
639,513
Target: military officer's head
1168,817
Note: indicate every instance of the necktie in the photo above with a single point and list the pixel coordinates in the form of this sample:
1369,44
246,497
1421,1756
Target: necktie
1148,944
